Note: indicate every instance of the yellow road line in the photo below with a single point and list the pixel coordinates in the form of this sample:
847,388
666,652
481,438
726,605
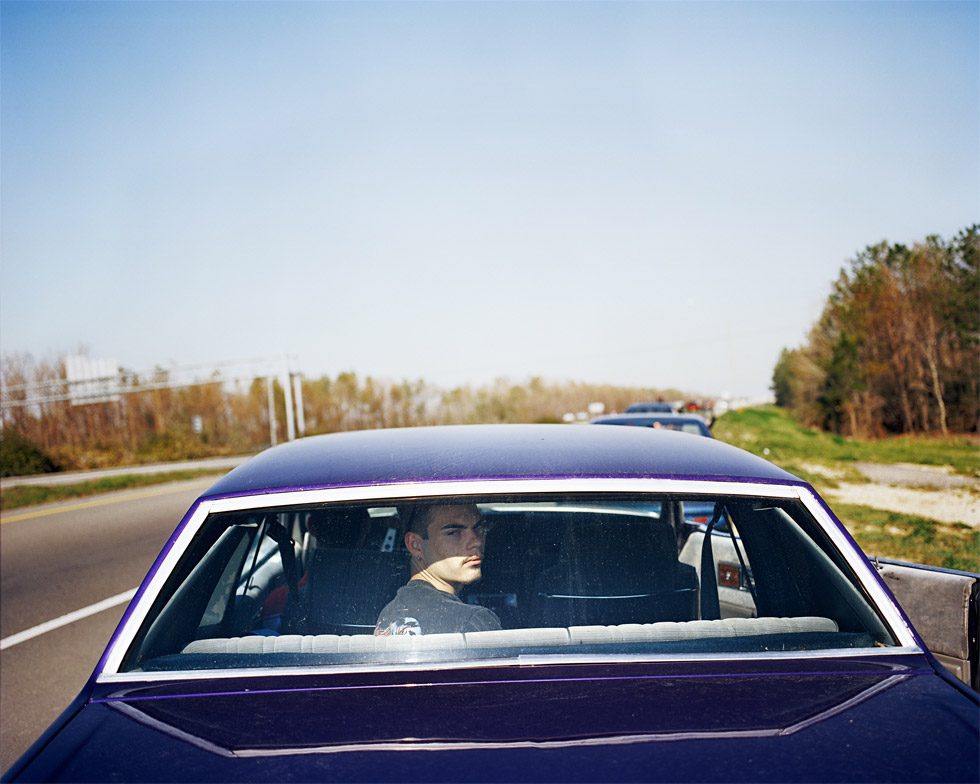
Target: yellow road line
115,499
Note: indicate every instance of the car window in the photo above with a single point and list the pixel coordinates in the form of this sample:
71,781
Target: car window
504,577
680,425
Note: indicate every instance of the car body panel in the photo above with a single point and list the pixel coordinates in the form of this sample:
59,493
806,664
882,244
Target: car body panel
887,713
730,721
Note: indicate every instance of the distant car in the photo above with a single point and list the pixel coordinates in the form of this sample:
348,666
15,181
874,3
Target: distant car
251,651
658,407
686,423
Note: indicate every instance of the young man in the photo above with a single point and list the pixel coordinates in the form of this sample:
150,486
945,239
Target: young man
446,545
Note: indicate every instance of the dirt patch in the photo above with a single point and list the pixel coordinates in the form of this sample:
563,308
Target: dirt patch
821,470
934,492
947,506
909,475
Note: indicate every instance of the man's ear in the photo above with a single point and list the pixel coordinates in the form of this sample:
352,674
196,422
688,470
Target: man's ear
414,543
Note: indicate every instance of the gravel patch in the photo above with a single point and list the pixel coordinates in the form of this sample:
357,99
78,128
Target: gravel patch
821,470
933,492
909,475
947,506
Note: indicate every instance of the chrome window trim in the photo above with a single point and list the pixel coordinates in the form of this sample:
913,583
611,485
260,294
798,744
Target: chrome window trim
127,634
135,678
500,487
862,568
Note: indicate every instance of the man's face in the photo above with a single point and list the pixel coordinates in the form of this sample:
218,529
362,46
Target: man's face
452,555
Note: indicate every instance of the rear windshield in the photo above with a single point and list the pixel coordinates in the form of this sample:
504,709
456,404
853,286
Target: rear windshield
459,579
681,425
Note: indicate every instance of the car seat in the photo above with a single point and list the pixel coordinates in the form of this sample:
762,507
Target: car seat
613,571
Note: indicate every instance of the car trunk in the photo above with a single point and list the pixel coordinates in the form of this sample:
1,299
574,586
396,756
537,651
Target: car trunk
878,718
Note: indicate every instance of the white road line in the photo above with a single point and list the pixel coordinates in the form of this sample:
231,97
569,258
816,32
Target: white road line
64,620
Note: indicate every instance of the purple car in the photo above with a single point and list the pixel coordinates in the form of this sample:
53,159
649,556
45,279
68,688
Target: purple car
507,603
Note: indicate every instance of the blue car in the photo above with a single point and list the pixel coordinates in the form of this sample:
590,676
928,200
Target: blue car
695,512
507,603
685,423
655,407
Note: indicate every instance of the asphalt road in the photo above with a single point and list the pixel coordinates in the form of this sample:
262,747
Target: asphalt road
58,559
70,477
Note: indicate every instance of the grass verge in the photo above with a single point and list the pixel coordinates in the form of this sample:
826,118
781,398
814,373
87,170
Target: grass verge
773,433
31,495
910,538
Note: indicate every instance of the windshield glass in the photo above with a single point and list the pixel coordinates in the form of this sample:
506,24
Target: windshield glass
463,578
682,425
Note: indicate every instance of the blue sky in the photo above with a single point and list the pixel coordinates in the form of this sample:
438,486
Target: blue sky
656,194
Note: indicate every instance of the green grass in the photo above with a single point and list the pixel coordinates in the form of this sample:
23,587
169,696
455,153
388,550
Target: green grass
910,538
30,495
788,443
773,434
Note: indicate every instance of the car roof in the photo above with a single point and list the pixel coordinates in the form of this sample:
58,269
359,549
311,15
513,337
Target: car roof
487,452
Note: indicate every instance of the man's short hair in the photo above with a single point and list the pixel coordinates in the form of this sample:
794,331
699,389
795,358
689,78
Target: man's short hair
420,516
418,520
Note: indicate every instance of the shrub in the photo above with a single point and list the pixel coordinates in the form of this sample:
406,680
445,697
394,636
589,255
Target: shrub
18,456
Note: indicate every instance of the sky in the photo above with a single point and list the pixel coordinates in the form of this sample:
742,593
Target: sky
656,194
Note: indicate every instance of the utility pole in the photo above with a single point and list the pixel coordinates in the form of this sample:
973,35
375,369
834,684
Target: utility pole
273,426
298,395
287,390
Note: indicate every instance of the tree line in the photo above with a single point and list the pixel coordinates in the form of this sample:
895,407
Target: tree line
897,346
222,418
